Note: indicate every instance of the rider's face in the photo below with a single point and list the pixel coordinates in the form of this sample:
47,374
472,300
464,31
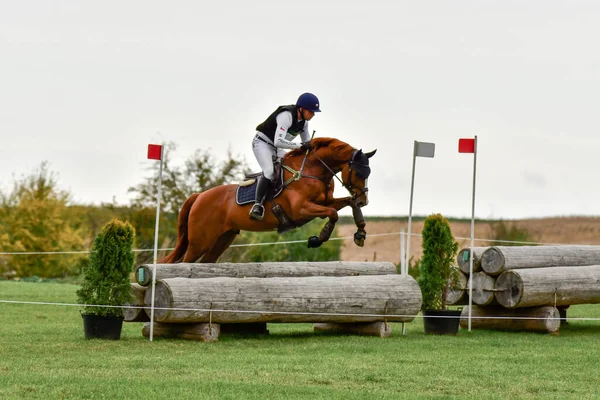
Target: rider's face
307,114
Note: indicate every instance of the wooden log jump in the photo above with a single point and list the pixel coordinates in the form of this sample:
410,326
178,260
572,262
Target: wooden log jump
200,332
483,289
458,294
498,259
539,319
379,329
143,273
557,286
136,314
463,258
299,299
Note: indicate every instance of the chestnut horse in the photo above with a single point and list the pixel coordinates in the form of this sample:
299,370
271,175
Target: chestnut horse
210,221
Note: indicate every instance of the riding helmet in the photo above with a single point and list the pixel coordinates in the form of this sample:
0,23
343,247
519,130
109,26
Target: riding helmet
308,101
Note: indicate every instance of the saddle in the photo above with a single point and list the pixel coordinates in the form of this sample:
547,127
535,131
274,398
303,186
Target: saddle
246,190
246,193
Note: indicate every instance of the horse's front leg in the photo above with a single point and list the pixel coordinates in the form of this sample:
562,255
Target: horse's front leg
312,210
360,235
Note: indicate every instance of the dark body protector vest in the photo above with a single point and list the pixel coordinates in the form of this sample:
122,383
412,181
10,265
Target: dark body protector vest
270,125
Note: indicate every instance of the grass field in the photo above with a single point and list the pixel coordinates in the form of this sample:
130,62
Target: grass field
43,355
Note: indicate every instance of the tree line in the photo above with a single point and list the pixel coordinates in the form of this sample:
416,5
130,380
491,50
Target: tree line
38,217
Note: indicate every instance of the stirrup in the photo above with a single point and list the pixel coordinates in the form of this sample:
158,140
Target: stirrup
257,212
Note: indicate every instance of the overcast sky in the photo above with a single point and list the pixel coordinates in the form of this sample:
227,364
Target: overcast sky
87,85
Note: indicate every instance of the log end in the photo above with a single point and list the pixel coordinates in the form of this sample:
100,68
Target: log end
492,261
463,261
162,301
137,300
509,289
457,292
143,275
483,289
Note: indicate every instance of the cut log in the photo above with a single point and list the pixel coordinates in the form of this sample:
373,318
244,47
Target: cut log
200,332
483,289
379,329
143,273
556,286
136,314
538,319
463,259
498,259
306,299
457,294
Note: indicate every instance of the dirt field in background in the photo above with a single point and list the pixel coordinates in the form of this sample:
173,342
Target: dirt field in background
567,230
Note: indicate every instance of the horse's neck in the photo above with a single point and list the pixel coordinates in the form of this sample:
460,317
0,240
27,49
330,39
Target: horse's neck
323,160
335,160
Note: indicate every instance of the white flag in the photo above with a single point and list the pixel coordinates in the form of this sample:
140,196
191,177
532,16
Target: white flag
424,149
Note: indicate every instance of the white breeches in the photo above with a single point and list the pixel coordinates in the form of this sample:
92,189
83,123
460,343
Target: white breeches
266,154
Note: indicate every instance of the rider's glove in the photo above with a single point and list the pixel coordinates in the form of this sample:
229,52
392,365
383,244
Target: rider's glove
306,146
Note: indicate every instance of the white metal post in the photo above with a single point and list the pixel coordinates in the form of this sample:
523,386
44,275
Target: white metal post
412,187
403,267
472,233
155,258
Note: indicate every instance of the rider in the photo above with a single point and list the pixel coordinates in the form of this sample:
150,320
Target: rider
276,134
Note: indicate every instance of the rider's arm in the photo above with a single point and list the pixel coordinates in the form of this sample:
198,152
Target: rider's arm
284,121
305,135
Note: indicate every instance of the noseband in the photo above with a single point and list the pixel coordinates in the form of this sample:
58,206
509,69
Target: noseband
362,170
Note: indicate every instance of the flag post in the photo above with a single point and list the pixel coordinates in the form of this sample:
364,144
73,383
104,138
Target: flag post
472,226
470,146
412,188
421,149
155,152
403,268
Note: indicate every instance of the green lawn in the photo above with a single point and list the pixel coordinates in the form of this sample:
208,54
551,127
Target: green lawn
43,355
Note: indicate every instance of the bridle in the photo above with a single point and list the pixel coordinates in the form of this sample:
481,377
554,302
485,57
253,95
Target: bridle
353,166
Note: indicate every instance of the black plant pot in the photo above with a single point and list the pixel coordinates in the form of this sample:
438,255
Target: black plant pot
441,322
99,327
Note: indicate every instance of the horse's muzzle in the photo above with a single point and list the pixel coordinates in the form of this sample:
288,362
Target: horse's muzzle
361,202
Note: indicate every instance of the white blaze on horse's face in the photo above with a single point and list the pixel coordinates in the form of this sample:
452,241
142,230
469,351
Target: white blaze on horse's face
366,193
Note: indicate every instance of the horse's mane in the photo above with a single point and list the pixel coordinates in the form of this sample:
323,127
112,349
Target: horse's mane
335,146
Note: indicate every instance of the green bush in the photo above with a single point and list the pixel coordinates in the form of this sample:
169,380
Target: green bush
436,269
106,278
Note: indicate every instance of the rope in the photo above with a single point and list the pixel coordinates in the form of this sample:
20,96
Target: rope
329,314
12,253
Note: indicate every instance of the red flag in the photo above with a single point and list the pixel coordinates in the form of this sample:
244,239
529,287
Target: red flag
466,145
154,151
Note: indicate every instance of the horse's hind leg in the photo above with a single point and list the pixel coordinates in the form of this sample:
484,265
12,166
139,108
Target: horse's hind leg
220,246
192,254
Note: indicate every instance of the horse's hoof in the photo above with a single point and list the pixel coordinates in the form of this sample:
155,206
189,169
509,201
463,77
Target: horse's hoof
313,242
359,238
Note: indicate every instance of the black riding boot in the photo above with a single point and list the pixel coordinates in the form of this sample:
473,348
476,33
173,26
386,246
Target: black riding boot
258,210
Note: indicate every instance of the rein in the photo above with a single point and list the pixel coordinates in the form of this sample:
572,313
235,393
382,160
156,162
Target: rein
297,175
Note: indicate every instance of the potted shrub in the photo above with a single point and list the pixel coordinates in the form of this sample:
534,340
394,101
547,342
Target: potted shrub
107,281
437,274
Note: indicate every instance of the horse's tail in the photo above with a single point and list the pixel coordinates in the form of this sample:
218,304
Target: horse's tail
182,237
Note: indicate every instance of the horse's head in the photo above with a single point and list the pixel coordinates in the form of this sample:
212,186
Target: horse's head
355,176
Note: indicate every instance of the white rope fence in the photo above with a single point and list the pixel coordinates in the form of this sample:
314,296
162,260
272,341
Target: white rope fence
298,241
327,314
286,312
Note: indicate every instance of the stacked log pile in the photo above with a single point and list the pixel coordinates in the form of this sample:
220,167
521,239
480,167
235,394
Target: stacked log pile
200,301
527,287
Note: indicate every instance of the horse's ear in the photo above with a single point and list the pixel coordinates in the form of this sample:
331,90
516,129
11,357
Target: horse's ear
371,153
